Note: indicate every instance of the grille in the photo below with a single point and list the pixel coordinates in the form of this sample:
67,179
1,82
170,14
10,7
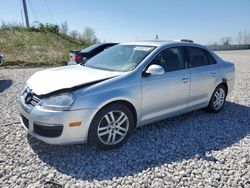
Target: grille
34,100
25,121
30,98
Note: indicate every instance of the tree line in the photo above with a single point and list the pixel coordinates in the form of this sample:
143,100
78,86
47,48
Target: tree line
243,37
88,36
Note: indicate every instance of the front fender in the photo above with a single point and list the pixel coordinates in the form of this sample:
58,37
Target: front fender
102,94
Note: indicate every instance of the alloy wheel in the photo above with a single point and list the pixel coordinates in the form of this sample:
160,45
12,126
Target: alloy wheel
219,98
113,127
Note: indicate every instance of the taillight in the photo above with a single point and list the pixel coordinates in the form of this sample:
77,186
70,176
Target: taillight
78,57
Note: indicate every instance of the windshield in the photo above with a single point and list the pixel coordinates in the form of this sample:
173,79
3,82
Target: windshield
88,49
120,58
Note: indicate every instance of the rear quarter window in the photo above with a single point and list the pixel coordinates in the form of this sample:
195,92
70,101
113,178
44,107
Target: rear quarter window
210,57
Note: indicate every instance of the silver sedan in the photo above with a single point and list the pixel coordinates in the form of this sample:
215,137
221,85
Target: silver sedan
123,87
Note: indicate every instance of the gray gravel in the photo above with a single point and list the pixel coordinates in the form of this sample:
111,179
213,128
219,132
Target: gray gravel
198,149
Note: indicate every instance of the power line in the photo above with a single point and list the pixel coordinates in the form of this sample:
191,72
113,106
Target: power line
32,10
48,9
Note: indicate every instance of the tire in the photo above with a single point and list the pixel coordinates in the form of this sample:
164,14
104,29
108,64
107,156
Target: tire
218,98
111,126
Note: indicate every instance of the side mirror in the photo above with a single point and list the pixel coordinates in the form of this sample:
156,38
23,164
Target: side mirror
154,70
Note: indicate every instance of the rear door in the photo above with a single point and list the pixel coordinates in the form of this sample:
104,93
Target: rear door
204,73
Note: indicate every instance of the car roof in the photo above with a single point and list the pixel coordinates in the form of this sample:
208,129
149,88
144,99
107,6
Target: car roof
159,43
112,43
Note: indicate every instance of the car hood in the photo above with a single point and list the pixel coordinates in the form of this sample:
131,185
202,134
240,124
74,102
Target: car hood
47,81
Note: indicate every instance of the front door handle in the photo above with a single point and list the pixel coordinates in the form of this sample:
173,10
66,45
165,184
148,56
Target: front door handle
185,79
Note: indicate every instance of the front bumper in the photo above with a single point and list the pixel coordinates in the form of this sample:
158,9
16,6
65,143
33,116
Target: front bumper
53,126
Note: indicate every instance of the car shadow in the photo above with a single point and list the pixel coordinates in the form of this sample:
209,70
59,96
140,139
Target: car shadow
192,135
5,84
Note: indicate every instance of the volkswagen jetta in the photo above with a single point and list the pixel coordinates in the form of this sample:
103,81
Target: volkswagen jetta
126,86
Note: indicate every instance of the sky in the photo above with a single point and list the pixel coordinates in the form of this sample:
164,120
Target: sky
204,21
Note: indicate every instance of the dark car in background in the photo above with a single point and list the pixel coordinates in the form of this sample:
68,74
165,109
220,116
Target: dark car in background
82,56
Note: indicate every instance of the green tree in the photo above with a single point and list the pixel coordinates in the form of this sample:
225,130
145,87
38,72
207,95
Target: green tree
64,28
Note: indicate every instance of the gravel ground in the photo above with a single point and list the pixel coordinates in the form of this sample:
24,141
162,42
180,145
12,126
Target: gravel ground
198,149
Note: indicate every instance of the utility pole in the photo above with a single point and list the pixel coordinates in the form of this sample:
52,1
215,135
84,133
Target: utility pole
26,14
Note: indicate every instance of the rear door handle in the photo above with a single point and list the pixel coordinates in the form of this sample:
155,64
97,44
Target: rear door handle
185,79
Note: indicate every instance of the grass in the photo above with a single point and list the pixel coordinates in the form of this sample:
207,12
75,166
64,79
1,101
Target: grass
24,48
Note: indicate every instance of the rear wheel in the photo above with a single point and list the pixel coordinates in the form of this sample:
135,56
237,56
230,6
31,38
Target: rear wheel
111,126
218,99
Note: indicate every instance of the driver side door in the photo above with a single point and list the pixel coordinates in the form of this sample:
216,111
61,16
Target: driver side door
166,94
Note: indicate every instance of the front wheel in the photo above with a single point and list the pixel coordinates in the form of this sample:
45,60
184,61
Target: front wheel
111,126
218,99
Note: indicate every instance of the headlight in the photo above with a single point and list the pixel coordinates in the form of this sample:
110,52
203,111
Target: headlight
63,101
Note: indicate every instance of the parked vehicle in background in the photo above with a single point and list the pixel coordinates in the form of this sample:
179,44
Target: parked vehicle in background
76,57
126,86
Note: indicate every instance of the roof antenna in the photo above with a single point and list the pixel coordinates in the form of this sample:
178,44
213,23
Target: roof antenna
156,37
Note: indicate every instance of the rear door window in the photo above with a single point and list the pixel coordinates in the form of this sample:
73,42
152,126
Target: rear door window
197,57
